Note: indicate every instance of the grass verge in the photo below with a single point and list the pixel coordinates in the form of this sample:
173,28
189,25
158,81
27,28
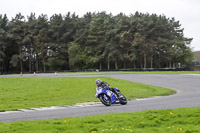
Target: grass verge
185,120
34,92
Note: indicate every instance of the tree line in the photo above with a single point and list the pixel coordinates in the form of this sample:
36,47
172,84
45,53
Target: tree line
94,41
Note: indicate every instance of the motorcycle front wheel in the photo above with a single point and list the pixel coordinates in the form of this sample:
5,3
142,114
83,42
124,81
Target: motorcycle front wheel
122,99
105,99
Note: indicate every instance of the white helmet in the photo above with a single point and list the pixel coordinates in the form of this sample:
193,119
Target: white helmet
98,82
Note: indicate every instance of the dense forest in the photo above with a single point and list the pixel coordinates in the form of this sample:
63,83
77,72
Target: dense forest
94,41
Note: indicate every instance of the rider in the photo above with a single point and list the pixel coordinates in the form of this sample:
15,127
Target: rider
104,85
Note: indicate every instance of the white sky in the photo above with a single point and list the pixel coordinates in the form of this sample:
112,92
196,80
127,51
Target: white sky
185,11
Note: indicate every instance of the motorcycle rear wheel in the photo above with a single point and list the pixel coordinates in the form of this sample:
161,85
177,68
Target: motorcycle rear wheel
105,99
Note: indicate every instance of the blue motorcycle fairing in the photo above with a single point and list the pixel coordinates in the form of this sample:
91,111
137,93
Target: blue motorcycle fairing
109,93
117,90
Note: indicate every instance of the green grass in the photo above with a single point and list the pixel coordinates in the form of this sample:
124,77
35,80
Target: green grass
34,92
185,120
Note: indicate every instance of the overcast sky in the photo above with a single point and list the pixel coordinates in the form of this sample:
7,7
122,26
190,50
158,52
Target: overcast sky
185,11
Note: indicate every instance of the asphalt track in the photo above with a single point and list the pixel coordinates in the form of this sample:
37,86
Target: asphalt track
186,85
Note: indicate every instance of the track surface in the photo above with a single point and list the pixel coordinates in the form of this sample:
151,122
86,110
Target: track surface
188,95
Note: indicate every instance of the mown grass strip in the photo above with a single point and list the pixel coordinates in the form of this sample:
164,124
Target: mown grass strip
34,92
185,120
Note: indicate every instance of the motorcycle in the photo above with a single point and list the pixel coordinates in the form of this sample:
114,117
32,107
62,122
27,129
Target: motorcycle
108,97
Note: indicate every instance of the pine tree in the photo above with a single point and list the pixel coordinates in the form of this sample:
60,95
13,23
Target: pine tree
17,36
3,40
